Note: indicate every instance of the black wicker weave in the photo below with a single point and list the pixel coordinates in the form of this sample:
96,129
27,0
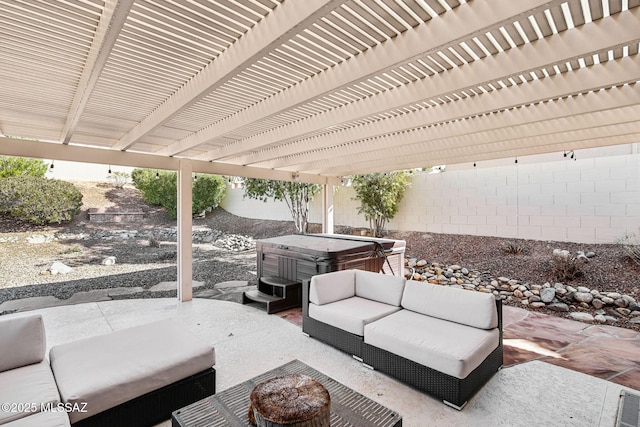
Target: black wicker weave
156,406
451,390
338,338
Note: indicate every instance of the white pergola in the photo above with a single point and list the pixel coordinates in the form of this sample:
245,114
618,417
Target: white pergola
319,89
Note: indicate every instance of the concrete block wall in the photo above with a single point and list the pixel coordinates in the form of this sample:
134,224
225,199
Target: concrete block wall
235,203
593,199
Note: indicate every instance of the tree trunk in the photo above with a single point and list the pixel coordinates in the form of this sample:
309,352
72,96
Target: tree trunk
292,400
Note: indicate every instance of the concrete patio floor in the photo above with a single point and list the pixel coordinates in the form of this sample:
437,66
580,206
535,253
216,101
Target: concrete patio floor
249,342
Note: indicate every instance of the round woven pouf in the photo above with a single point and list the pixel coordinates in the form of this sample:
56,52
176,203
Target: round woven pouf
290,400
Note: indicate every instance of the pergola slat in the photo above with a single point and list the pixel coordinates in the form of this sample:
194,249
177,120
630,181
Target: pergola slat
323,87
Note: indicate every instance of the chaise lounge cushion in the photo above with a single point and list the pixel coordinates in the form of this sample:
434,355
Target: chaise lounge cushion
351,314
112,369
32,384
448,347
379,287
456,305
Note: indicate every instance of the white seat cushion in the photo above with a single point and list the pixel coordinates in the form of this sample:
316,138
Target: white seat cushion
42,419
471,308
351,314
107,370
32,384
448,347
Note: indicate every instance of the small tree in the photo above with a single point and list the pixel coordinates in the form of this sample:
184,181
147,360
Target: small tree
297,195
161,188
379,195
119,179
20,166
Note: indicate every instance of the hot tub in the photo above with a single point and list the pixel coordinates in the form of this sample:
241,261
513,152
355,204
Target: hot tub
298,257
284,262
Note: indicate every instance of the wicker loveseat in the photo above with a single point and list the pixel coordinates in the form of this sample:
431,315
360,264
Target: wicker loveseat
442,340
132,377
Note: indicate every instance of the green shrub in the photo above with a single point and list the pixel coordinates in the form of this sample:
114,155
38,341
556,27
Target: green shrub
514,248
631,245
208,192
39,200
20,166
566,267
160,188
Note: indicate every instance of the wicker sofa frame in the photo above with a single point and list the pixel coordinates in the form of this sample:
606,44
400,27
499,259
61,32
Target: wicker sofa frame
453,391
343,340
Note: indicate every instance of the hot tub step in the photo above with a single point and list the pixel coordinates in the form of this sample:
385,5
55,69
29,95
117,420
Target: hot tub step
276,293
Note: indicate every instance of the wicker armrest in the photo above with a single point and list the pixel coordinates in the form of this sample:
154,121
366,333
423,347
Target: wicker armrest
306,284
499,308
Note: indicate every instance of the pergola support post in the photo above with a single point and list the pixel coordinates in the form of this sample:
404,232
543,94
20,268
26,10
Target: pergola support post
327,209
185,222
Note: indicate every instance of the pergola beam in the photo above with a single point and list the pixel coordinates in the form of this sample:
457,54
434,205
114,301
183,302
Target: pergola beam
461,150
73,153
597,125
455,26
401,137
321,147
591,38
289,18
111,22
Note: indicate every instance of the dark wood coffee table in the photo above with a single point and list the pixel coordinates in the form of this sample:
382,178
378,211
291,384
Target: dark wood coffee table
229,408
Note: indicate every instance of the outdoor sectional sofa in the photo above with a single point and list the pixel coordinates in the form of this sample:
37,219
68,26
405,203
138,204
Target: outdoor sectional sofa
442,340
132,377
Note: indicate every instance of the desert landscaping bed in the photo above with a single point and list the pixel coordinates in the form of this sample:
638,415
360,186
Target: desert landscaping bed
141,255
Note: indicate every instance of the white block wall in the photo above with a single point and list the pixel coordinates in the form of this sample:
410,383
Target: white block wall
250,208
594,199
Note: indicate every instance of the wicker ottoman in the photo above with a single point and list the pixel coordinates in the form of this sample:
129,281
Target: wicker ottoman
143,372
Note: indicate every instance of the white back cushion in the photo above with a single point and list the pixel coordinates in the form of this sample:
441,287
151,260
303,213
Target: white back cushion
22,340
379,287
331,287
470,308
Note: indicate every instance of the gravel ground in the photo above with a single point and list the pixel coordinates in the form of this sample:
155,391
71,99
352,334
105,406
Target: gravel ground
82,246
138,264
